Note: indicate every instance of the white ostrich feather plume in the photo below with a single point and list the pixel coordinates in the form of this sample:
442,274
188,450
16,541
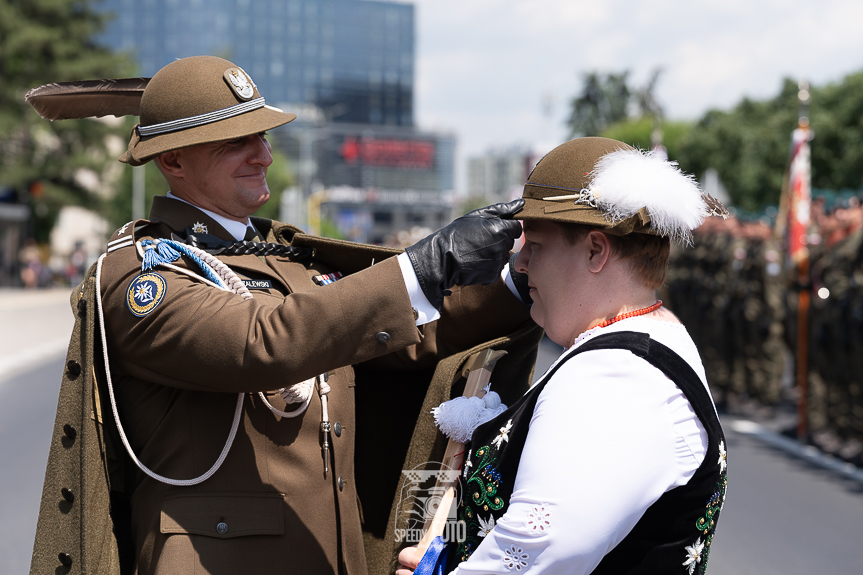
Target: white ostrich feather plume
625,181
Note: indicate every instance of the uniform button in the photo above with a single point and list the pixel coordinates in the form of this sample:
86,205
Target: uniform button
67,494
74,369
341,483
222,528
65,559
70,431
382,337
337,429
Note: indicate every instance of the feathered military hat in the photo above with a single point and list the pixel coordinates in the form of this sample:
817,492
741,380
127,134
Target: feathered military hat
614,187
190,101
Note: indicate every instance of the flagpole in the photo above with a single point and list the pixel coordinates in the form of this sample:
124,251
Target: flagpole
799,207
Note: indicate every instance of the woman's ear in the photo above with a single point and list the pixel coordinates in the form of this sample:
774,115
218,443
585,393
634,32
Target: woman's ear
600,250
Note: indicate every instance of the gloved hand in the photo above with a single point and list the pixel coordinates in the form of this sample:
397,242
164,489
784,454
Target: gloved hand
520,281
471,250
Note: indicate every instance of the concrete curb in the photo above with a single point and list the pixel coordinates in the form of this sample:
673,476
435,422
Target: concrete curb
806,452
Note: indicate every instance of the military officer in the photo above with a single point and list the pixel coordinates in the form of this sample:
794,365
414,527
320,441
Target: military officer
227,344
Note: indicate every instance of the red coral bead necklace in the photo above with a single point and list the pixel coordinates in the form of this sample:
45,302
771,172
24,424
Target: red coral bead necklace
642,311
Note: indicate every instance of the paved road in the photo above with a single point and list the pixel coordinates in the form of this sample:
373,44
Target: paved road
782,516
34,333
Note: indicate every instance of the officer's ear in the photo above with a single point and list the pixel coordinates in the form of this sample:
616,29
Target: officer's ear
170,164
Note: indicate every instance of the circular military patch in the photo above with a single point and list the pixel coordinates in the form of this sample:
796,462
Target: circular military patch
145,293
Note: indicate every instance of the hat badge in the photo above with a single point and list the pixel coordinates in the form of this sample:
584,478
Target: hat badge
240,83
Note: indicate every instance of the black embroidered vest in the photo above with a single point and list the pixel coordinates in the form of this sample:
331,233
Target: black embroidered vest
673,535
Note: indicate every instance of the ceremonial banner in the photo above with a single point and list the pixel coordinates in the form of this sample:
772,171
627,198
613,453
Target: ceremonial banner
799,195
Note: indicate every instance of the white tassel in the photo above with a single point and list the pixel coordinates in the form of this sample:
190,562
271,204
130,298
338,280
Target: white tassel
457,418
492,400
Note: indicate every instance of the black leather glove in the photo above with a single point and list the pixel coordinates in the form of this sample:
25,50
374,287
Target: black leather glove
471,250
520,281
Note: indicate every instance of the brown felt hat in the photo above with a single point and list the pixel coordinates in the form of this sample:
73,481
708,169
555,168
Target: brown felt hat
618,189
198,100
566,171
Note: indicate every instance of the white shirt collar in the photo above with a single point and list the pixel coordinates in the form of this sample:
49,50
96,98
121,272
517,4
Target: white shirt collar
235,228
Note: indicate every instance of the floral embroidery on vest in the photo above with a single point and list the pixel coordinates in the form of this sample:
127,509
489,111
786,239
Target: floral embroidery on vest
698,553
481,485
485,527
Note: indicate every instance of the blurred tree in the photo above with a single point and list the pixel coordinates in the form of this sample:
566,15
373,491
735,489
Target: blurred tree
836,117
607,100
604,100
748,147
51,164
638,132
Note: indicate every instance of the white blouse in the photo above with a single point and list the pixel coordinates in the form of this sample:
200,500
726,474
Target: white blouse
610,434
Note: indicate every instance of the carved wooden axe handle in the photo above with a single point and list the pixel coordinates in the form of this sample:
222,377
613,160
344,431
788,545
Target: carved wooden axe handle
478,370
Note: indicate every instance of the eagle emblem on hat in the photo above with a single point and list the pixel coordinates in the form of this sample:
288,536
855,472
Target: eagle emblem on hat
240,83
199,228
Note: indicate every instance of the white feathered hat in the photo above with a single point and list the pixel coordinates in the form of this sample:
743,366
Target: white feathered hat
614,187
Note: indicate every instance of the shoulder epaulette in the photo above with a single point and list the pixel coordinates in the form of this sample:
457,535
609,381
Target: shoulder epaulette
124,236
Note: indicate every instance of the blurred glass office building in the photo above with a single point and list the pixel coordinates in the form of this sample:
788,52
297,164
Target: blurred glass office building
346,67
352,58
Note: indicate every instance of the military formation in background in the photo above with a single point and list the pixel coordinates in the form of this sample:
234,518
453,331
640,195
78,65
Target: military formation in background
738,297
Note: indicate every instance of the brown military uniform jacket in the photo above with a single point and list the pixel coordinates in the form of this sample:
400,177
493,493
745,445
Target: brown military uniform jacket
177,368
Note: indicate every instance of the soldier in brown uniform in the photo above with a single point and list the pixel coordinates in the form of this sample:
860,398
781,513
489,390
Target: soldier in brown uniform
233,477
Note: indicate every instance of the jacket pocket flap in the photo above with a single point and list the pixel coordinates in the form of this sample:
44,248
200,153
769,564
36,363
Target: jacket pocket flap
224,515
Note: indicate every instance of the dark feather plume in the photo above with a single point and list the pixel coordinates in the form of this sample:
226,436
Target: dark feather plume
715,207
88,98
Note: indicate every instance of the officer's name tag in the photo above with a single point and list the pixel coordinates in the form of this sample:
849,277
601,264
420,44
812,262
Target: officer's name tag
258,284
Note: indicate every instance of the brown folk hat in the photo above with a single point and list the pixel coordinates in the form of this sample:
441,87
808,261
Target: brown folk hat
609,185
195,101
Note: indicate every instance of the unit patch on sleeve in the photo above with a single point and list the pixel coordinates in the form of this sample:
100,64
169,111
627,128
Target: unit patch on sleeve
145,293
325,279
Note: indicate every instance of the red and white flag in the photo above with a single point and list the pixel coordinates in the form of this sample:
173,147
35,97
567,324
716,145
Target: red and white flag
800,194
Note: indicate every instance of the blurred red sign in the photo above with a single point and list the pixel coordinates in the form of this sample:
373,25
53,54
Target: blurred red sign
410,154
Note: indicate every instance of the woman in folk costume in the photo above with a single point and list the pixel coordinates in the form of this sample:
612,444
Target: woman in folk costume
614,461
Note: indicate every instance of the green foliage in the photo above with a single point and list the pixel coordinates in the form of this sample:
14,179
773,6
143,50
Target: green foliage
604,100
836,118
638,132
44,41
748,146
